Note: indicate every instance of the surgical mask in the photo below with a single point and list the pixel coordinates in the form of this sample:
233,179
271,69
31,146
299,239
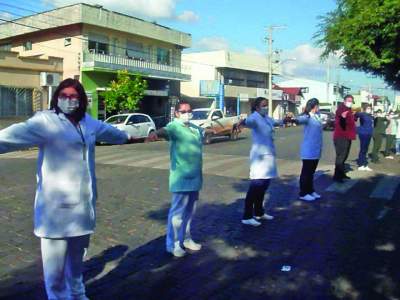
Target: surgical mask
348,104
185,117
264,111
368,111
68,106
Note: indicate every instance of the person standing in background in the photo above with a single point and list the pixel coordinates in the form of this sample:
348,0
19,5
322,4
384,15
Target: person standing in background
185,177
344,133
311,149
262,161
398,134
390,135
380,125
364,131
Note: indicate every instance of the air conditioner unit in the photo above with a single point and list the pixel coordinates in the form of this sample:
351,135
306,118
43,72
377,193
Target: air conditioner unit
49,79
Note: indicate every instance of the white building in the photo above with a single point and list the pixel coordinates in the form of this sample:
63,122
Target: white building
238,77
327,94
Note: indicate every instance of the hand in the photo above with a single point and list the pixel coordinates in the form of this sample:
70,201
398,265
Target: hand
152,137
345,113
241,124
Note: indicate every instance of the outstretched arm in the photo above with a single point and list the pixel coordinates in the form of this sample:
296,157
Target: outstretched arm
110,134
24,135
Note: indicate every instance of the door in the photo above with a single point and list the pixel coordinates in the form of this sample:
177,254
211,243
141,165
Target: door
133,126
217,123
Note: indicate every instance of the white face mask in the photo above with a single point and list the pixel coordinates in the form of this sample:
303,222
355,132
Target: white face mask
368,111
348,104
185,117
264,110
68,106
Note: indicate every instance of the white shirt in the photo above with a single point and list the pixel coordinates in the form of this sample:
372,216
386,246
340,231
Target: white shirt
262,153
66,193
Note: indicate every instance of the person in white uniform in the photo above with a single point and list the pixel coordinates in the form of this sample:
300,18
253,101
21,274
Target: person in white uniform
311,149
262,161
65,201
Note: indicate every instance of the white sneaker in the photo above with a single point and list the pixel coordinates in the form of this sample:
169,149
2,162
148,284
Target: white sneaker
191,245
366,168
362,168
177,251
307,197
264,217
389,157
251,222
315,195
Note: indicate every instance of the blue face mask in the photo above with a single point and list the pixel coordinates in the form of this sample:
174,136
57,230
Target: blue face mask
264,111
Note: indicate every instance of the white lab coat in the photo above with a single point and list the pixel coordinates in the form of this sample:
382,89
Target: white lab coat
262,153
66,193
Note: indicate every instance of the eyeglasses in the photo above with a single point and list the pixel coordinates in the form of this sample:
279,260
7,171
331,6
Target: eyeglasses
73,97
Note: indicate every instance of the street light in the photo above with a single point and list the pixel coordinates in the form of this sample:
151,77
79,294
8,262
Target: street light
270,30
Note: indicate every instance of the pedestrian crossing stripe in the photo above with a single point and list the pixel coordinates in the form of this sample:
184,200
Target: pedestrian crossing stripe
232,166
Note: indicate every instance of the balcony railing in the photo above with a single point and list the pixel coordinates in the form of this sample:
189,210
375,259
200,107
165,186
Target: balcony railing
151,69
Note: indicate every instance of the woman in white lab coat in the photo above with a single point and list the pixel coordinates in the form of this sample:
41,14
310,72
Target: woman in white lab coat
262,162
65,201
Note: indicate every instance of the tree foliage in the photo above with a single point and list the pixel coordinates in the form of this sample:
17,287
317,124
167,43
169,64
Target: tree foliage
366,34
125,93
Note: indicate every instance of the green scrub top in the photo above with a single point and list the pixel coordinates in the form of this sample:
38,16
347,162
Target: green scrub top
186,155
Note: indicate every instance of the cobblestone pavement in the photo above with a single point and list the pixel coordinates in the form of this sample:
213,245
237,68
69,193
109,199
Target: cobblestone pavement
344,246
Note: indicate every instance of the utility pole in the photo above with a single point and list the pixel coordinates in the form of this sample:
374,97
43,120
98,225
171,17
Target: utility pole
269,55
328,75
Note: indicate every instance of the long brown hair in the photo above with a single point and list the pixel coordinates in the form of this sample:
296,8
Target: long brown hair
83,101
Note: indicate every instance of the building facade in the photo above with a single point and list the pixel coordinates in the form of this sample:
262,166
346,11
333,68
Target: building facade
95,43
227,80
22,89
328,94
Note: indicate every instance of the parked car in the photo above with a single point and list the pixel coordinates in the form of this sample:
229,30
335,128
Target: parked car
135,124
328,120
215,123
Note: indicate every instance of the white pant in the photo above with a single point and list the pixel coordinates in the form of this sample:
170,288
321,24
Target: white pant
62,267
180,218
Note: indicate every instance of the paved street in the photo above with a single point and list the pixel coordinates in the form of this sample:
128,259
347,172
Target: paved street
344,246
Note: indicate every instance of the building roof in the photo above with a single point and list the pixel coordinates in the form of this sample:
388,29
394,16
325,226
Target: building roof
95,15
233,60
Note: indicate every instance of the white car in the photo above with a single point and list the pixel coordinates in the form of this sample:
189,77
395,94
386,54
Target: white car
135,124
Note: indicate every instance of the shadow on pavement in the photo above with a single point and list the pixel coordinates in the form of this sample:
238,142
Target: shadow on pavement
336,249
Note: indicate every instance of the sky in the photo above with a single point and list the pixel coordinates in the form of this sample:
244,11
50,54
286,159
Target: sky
235,25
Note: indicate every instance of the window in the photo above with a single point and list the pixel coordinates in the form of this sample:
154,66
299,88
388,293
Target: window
16,102
135,119
217,114
5,47
98,44
163,56
67,41
137,51
27,45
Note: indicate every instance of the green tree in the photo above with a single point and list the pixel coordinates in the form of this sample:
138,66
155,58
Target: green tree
366,33
125,93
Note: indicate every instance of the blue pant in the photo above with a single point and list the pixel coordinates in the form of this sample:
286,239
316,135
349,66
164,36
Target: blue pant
180,217
365,140
397,146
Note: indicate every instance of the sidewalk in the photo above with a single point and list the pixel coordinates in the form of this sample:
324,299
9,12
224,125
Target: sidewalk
336,247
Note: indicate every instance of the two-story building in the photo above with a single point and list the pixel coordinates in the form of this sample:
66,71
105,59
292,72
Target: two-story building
328,94
95,43
227,79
